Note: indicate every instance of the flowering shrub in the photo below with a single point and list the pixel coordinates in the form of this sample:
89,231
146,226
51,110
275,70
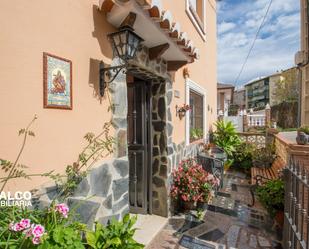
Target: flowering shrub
49,228
53,229
62,209
28,230
192,183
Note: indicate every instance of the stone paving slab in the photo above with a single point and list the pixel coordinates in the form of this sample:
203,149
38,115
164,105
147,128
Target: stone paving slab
145,233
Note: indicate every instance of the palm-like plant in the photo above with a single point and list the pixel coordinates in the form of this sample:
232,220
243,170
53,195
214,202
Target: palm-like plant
226,137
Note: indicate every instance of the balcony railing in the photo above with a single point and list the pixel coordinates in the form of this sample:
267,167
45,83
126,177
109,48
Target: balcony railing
256,120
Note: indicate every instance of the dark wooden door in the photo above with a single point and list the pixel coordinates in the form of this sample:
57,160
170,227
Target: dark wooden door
139,147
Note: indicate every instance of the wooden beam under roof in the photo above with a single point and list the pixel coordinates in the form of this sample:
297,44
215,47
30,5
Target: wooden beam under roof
107,5
129,20
175,65
158,51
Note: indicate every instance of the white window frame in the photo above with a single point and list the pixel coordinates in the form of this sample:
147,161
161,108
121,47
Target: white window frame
191,85
201,31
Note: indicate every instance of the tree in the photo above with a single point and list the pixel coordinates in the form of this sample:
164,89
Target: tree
287,88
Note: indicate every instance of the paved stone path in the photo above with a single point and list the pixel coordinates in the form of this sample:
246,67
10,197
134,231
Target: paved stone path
228,223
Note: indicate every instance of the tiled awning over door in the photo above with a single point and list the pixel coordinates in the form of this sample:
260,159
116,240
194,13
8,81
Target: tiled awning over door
155,25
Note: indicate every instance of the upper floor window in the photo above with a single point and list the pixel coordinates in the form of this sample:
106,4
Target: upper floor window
196,12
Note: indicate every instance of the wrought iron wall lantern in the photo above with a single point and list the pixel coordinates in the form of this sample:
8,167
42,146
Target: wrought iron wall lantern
125,43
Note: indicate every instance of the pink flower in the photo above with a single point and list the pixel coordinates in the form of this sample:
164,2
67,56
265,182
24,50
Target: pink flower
28,232
210,177
63,209
18,227
185,198
38,230
25,223
36,240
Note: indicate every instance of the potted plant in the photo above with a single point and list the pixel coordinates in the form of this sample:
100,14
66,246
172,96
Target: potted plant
302,135
196,133
181,111
226,137
192,185
264,157
271,196
243,156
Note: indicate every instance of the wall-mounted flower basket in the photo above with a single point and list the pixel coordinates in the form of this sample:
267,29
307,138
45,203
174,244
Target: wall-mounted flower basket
181,111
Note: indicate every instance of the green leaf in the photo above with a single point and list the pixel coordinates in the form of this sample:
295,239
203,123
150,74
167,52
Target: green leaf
115,241
57,236
91,239
126,218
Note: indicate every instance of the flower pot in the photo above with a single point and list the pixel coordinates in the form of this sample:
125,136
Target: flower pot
201,205
280,218
181,114
188,205
302,138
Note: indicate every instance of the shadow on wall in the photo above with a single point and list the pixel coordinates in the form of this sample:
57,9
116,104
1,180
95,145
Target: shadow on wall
101,29
94,77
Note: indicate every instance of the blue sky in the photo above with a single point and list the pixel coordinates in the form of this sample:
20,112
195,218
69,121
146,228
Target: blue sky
279,39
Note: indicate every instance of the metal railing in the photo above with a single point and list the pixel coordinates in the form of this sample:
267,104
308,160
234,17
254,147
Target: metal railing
296,206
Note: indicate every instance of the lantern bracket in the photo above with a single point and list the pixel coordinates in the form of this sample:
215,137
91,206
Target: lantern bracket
106,72
125,43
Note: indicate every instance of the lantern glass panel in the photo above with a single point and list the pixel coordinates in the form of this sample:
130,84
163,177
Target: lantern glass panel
124,51
116,40
123,37
136,42
126,43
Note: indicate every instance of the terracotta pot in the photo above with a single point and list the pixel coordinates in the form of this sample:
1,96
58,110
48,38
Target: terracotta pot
280,218
188,205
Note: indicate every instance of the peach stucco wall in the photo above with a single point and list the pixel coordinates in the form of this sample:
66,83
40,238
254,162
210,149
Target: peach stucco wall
203,71
75,30
70,29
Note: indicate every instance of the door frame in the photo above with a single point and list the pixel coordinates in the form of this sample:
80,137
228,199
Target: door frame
150,145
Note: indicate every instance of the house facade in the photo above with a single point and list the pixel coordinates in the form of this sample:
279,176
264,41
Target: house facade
272,89
257,93
225,95
47,44
284,86
240,98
